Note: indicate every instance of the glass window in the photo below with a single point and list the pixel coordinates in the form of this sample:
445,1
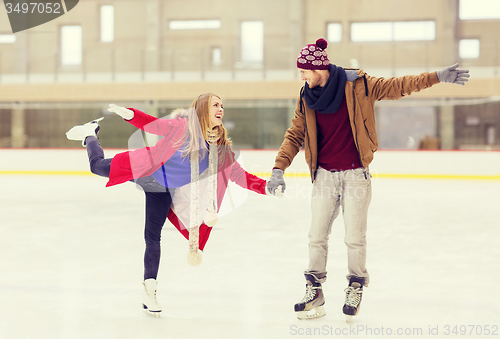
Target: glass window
195,24
414,30
479,9
490,135
252,41
371,31
107,23
393,31
216,56
468,48
71,45
7,38
334,32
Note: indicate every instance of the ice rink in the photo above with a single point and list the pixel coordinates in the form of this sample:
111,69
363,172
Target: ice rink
71,263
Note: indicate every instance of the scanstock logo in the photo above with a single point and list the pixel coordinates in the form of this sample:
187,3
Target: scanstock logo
26,14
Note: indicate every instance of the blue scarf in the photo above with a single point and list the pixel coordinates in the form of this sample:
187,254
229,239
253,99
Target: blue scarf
327,99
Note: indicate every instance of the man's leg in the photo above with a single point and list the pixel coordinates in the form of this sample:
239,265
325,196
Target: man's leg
325,207
355,202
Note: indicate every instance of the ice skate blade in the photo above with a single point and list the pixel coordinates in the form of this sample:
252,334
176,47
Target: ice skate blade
314,313
95,121
152,314
348,317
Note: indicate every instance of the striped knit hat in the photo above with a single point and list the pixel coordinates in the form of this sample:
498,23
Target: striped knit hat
313,56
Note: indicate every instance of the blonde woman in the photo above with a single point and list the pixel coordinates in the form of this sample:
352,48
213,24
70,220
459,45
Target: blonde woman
184,176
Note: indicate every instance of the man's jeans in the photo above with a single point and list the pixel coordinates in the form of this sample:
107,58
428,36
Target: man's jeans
351,191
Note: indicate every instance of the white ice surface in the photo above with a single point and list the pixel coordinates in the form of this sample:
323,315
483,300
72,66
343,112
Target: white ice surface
71,264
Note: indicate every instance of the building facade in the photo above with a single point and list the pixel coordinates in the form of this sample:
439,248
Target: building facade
158,55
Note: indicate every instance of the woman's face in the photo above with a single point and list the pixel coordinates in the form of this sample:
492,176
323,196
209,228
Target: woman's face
216,112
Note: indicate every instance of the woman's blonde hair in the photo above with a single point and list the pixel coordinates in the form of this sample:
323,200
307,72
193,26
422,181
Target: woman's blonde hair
201,106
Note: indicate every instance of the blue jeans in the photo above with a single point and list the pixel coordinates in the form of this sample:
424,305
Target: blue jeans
332,191
158,202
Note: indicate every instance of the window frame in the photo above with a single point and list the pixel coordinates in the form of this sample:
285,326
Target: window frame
341,33
102,26
176,25
474,4
253,57
390,36
469,57
2,35
62,47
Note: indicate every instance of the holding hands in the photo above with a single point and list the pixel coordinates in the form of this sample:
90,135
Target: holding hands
453,75
276,185
125,113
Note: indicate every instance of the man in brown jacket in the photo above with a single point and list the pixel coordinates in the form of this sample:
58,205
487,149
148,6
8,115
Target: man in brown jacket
335,120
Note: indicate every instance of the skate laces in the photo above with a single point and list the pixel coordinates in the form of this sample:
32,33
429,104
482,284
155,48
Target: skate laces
353,296
152,294
310,293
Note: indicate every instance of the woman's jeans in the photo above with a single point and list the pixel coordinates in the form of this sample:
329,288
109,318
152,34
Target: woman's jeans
158,203
332,191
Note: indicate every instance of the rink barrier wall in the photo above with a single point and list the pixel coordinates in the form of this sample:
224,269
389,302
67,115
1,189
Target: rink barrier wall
439,165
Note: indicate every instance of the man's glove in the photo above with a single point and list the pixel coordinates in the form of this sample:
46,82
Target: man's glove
276,182
125,113
453,75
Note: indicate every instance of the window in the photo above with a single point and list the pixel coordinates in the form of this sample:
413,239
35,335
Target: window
252,41
490,135
468,48
216,56
334,32
7,38
393,31
414,30
107,23
71,45
195,24
371,31
479,9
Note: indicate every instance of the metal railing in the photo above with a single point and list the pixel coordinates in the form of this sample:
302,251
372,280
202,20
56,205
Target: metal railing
135,65
196,64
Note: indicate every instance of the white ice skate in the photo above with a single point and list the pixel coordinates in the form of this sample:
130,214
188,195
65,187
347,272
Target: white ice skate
149,302
81,132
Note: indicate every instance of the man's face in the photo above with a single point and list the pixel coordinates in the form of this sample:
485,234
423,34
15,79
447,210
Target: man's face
312,77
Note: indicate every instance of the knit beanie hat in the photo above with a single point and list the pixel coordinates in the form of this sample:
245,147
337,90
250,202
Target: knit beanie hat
313,56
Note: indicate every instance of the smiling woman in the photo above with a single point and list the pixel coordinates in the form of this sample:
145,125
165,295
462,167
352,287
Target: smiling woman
216,111
184,176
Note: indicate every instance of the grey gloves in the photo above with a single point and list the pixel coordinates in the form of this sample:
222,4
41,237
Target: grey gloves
276,182
453,75
125,113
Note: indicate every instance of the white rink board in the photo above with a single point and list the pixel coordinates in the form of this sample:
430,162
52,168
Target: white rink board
480,163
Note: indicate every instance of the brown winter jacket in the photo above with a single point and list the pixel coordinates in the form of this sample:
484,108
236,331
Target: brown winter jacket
361,95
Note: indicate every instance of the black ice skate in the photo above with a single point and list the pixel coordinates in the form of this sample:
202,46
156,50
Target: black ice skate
311,305
353,295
